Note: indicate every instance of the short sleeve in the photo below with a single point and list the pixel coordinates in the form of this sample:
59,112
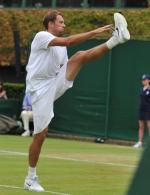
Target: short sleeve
42,39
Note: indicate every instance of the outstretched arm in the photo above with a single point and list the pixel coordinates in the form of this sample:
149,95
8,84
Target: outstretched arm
78,38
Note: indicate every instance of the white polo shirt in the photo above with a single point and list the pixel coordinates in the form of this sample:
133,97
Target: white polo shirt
44,62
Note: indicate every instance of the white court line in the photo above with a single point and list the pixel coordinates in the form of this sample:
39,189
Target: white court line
4,152
90,161
16,187
13,153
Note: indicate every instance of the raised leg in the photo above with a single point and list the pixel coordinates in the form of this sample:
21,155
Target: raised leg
120,35
76,62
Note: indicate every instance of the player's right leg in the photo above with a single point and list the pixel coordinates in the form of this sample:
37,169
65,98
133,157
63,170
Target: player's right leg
120,35
31,181
42,114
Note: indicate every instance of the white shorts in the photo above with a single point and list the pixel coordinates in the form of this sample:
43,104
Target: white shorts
43,106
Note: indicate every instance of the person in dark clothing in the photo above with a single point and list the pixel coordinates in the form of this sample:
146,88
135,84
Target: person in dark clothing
144,109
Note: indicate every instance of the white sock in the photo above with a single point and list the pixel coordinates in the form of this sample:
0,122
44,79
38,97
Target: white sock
32,172
112,42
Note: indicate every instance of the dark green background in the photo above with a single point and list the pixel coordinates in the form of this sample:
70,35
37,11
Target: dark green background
105,98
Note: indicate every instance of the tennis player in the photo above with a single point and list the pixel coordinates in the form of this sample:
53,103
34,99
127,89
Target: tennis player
50,73
144,109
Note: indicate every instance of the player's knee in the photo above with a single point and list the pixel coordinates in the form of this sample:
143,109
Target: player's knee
43,134
39,138
79,56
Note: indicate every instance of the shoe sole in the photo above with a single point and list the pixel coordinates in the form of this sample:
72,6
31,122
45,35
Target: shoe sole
121,23
29,189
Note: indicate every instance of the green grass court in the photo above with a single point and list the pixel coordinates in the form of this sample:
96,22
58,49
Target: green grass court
68,167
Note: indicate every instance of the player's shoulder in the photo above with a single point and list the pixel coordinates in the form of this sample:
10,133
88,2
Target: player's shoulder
43,33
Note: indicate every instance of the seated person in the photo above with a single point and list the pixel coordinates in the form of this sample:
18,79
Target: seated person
26,115
2,91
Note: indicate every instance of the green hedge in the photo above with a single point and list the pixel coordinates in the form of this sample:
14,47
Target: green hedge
29,21
14,90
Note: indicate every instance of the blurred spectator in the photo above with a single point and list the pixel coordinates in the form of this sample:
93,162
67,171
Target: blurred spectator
144,109
26,115
3,94
38,5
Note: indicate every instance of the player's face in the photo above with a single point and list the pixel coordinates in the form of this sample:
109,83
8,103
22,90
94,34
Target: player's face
59,25
145,82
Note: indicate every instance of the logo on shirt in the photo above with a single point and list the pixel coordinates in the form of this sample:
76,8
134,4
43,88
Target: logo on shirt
61,65
147,93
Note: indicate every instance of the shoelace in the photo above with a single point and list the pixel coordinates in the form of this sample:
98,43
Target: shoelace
115,31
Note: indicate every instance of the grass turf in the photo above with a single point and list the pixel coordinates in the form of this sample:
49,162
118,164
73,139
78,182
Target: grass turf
69,167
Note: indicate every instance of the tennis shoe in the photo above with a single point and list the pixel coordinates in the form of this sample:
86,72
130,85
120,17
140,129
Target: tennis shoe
32,184
138,145
120,31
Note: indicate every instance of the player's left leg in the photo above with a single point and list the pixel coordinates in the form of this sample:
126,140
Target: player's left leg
120,35
77,61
